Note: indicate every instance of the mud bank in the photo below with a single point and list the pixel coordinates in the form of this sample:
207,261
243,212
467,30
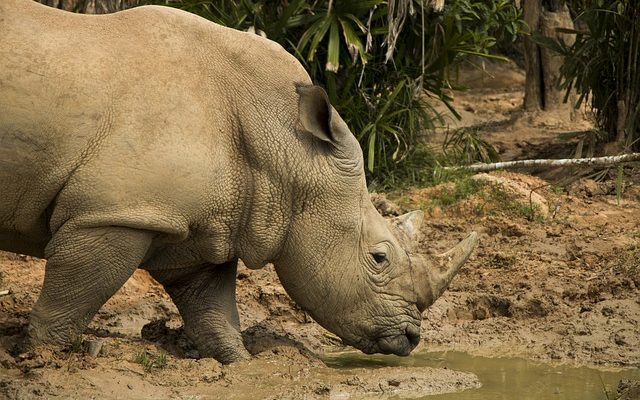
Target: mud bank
562,289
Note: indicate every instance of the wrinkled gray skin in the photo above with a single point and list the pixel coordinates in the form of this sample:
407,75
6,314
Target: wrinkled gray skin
152,138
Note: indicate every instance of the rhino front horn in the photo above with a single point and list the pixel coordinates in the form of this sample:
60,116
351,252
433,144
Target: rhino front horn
442,269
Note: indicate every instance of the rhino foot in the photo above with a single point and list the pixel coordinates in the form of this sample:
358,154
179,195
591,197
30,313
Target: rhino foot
226,351
206,298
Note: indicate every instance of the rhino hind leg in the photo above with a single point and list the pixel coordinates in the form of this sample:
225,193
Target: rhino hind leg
85,267
206,298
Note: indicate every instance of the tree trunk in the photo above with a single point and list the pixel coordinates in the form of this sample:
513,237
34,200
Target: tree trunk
533,95
552,62
91,6
543,65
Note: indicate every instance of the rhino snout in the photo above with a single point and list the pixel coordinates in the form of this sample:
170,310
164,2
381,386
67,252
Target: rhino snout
401,344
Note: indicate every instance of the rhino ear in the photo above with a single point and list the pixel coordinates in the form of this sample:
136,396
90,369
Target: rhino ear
315,112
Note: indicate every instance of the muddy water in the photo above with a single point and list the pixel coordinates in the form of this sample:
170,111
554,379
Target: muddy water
504,378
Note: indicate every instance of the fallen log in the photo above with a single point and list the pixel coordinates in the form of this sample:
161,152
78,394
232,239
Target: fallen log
608,160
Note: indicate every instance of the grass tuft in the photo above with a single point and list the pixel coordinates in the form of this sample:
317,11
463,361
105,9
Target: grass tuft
77,344
505,201
150,361
462,188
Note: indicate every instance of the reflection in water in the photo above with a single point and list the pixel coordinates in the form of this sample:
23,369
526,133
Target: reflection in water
504,378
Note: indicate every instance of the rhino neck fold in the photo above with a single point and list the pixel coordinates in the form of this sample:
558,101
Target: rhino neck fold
269,204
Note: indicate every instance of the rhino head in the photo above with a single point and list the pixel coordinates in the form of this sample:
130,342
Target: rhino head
341,261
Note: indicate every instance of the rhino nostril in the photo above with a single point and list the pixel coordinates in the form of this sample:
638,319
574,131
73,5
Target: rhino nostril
413,334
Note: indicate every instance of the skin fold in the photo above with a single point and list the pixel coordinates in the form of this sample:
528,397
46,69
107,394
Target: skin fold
152,138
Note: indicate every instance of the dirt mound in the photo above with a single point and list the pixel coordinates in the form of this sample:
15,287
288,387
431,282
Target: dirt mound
501,194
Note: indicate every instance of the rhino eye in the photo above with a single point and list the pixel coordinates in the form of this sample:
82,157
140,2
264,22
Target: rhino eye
379,257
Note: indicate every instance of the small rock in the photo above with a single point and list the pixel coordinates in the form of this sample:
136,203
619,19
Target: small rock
584,309
242,275
322,389
619,339
553,232
30,361
590,187
607,311
93,347
353,381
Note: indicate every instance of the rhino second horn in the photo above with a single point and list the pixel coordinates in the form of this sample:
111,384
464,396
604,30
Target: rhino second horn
443,268
410,223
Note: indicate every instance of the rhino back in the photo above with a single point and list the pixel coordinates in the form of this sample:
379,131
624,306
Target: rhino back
130,118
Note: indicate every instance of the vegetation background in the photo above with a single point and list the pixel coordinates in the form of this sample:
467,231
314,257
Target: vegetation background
387,63
383,63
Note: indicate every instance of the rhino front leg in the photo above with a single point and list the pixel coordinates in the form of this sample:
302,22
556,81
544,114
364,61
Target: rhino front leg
206,298
85,267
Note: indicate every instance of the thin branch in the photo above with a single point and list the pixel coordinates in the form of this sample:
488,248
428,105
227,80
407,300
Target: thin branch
609,160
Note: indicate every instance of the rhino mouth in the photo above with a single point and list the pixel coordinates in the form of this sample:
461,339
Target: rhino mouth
401,342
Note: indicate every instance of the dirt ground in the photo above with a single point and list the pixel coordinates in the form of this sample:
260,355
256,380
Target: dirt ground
556,277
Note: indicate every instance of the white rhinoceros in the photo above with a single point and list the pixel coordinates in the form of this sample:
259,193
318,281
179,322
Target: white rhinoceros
152,138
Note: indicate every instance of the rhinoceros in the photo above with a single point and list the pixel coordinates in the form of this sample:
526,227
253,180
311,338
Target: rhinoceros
152,138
